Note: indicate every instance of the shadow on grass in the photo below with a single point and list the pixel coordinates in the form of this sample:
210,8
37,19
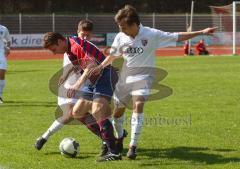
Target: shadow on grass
194,155
80,156
9,103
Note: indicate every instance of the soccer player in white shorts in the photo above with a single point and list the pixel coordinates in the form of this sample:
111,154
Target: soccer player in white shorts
137,45
4,52
66,104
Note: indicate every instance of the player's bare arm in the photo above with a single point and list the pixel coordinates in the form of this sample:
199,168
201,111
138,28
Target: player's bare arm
72,90
107,61
182,36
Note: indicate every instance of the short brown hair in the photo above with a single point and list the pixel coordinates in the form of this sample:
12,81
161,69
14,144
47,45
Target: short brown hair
51,38
85,25
129,14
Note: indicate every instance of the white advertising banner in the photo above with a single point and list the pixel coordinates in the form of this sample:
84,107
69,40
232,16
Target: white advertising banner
110,38
26,40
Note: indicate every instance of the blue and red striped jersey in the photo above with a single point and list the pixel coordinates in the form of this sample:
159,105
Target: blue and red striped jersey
82,53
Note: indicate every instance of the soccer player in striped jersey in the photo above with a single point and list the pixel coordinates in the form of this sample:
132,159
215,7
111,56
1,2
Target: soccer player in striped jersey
85,56
69,77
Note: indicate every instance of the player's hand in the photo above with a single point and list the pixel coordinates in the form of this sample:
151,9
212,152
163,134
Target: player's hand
72,91
96,71
209,31
7,51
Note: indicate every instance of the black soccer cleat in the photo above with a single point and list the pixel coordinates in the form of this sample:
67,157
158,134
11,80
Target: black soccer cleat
119,141
104,150
132,152
39,143
110,157
1,100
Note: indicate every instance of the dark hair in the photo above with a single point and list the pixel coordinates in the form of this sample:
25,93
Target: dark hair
51,38
129,14
85,25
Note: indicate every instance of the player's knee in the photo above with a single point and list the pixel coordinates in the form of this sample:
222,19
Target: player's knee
73,114
138,106
118,112
100,106
67,119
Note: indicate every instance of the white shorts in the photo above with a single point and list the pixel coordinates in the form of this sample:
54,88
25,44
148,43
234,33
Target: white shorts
137,85
62,101
3,63
84,92
62,94
62,90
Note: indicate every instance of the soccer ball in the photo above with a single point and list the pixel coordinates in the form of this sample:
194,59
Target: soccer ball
69,147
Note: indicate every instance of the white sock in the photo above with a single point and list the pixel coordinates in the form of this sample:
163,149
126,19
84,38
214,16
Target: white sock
56,125
118,125
2,85
136,125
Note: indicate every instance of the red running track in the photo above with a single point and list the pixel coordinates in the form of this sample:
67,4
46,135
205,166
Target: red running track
38,54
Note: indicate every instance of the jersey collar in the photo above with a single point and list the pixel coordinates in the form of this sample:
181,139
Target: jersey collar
140,30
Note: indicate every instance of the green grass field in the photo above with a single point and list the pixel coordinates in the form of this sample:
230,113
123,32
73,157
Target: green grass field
200,125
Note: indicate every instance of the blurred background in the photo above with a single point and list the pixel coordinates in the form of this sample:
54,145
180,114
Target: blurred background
28,20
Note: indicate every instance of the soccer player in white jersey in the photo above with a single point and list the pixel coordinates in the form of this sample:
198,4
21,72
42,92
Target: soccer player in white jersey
4,52
69,77
137,45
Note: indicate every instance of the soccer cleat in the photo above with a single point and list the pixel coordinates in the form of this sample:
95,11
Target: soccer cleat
119,141
110,157
1,100
104,150
132,152
39,143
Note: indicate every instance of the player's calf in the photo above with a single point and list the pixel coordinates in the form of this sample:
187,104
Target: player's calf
119,141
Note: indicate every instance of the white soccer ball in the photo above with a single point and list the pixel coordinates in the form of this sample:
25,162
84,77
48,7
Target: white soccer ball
69,147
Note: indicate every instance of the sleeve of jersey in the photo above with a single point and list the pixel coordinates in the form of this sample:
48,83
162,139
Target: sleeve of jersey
165,39
116,47
66,60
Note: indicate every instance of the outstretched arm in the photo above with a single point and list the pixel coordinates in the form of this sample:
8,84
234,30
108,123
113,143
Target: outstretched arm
182,36
107,61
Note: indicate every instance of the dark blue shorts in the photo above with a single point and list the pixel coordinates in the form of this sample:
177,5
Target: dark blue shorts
106,84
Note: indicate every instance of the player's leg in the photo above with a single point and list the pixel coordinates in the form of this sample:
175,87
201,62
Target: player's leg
66,117
81,113
121,100
2,83
136,125
118,120
83,105
102,112
140,93
3,68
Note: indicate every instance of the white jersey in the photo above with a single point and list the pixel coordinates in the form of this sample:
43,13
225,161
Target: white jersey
4,39
71,80
140,51
74,76
137,74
